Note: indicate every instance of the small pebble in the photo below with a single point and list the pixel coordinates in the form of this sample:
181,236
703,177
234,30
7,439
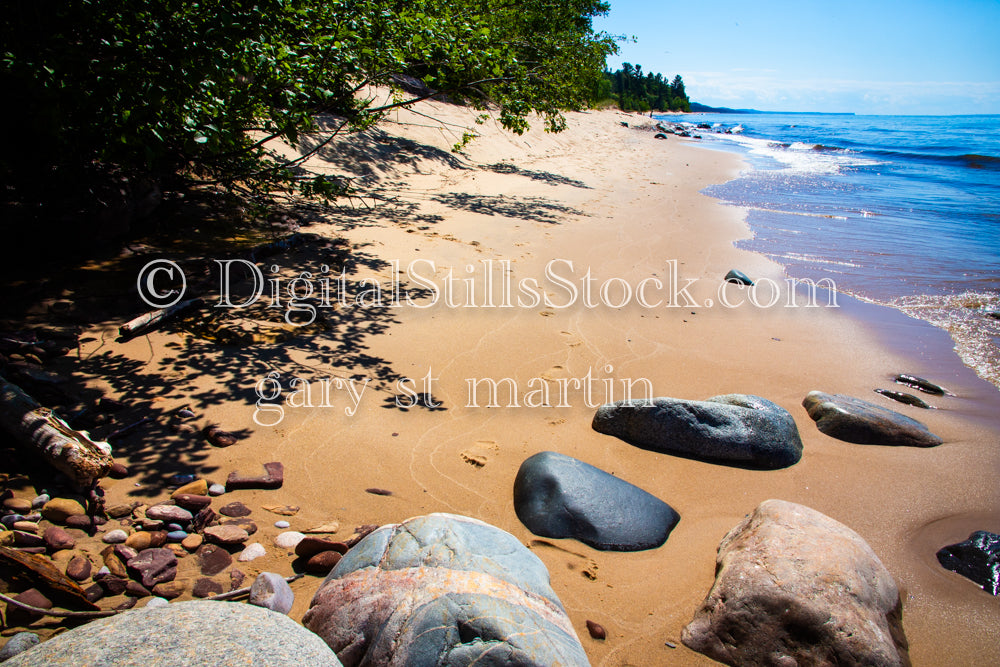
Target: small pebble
281,524
115,537
289,539
157,602
216,490
176,536
181,479
271,591
19,505
174,526
596,630
11,519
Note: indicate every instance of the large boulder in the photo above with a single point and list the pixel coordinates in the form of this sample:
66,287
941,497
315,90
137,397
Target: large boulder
977,558
735,429
203,633
442,590
853,420
795,587
558,496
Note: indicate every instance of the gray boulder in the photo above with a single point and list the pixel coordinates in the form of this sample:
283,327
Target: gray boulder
442,590
736,429
795,587
853,420
559,496
18,644
201,633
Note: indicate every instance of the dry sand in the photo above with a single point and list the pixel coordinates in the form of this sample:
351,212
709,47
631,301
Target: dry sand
618,202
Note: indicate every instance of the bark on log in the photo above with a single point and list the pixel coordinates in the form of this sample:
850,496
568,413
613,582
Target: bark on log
37,428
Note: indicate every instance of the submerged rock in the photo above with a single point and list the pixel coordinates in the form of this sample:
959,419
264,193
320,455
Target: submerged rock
795,587
903,397
201,632
559,496
736,429
443,590
853,420
923,385
977,558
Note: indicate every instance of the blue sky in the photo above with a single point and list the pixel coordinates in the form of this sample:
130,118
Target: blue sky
871,57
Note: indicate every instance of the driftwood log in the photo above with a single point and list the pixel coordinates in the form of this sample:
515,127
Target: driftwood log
154,318
37,428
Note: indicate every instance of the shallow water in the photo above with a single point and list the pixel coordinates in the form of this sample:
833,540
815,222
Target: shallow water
902,211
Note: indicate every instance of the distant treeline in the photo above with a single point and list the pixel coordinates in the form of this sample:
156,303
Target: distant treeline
632,90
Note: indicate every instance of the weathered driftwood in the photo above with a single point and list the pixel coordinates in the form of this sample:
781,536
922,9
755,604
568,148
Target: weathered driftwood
154,318
71,452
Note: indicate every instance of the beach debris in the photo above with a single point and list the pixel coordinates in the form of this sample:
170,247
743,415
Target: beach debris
977,558
219,438
384,609
596,630
273,478
903,397
125,430
923,385
375,491
824,594
154,318
738,277
41,431
41,573
670,644
853,420
284,510
659,135
331,527
559,496
735,429
271,591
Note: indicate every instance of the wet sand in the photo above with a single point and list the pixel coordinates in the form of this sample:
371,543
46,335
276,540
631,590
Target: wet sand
621,204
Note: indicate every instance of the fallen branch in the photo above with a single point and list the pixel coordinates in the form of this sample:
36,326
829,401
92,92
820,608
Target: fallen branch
126,429
71,452
59,614
111,612
154,318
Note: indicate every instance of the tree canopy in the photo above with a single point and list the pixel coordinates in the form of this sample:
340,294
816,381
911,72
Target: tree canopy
182,91
634,91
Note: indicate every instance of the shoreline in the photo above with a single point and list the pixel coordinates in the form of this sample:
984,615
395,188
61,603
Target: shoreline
616,201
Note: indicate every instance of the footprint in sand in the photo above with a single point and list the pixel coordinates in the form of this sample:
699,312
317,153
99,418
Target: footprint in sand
557,422
587,566
573,340
552,373
477,455
546,313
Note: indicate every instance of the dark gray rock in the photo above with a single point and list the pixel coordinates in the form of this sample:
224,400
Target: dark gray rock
559,496
738,277
977,558
736,429
200,633
853,420
443,590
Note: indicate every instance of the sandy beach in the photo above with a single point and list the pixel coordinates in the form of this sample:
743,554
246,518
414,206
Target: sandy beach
601,198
